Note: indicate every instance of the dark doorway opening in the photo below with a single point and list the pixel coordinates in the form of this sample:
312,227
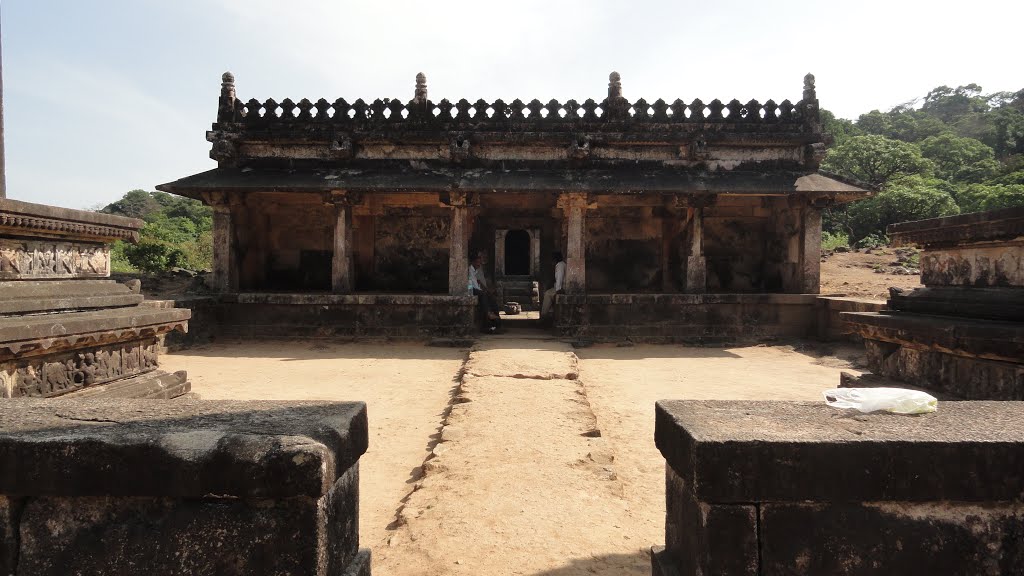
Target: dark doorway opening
517,253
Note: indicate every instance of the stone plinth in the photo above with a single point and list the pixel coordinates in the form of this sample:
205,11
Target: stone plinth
185,487
684,318
963,333
64,327
772,488
419,316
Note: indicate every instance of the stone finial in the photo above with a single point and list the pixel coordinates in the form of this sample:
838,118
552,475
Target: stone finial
227,84
614,85
809,92
421,88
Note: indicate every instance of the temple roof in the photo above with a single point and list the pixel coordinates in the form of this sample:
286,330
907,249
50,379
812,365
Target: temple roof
415,177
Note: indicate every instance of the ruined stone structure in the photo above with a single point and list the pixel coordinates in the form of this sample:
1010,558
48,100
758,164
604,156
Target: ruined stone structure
962,335
678,221
112,487
794,488
65,328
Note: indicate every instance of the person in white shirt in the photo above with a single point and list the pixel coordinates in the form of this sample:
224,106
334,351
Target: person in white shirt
486,305
549,294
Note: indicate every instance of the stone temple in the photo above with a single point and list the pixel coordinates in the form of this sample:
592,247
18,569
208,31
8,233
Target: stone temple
680,221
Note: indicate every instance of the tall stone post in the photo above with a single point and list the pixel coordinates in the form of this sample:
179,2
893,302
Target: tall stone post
225,275
696,264
574,206
810,261
342,270
458,252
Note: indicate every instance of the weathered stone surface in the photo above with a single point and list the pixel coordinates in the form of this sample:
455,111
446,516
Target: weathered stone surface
28,259
737,452
24,297
157,384
68,371
689,318
352,315
22,334
705,538
940,538
995,225
831,325
960,336
941,373
214,535
10,511
180,449
1001,304
977,265
26,219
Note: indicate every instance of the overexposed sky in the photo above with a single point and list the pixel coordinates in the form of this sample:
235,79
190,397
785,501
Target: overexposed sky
103,96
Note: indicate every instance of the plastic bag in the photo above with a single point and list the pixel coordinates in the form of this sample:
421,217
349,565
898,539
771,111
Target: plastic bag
896,400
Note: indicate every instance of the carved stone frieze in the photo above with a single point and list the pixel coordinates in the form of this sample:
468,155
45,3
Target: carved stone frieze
25,225
27,259
58,374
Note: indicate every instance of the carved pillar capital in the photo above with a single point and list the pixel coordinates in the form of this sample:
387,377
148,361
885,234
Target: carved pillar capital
344,198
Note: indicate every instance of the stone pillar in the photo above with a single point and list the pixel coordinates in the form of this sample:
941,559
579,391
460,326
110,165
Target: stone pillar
810,258
574,206
224,273
696,264
342,270
458,251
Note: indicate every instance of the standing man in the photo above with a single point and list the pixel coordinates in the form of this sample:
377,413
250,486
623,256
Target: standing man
487,308
549,294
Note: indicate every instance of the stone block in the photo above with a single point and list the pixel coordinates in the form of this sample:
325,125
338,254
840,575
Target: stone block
705,538
941,538
179,449
184,487
741,452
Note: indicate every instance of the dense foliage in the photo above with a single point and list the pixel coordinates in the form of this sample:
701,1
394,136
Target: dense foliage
178,232
959,151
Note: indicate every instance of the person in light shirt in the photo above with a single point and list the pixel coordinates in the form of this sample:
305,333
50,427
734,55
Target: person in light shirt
549,294
483,298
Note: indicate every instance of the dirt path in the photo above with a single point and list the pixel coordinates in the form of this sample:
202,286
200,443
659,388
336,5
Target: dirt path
519,484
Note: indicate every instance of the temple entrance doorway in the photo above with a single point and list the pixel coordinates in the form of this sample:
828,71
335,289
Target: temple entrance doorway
516,265
517,253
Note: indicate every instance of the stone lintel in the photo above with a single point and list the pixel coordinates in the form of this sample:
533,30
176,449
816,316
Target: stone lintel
742,452
180,449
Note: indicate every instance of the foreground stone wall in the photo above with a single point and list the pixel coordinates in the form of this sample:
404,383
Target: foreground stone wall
685,318
108,487
780,488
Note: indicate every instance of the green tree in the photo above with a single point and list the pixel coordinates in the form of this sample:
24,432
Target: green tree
840,129
134,204
876,159
979,197
960,159
899,203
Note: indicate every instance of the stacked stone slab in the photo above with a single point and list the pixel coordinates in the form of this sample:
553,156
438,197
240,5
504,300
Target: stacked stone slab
112,487
962,335
780,488
65,327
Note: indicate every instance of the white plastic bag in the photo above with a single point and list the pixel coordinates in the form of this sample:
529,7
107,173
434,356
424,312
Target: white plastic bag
897,400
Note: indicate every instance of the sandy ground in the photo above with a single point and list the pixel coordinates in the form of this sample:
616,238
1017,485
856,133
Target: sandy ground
520,482
853,274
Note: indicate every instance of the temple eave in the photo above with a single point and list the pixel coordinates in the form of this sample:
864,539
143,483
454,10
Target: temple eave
599,181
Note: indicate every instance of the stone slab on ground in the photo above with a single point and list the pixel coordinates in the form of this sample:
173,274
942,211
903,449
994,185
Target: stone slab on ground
814,452
252,449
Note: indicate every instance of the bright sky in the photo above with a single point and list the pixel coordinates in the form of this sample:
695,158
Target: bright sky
104,96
